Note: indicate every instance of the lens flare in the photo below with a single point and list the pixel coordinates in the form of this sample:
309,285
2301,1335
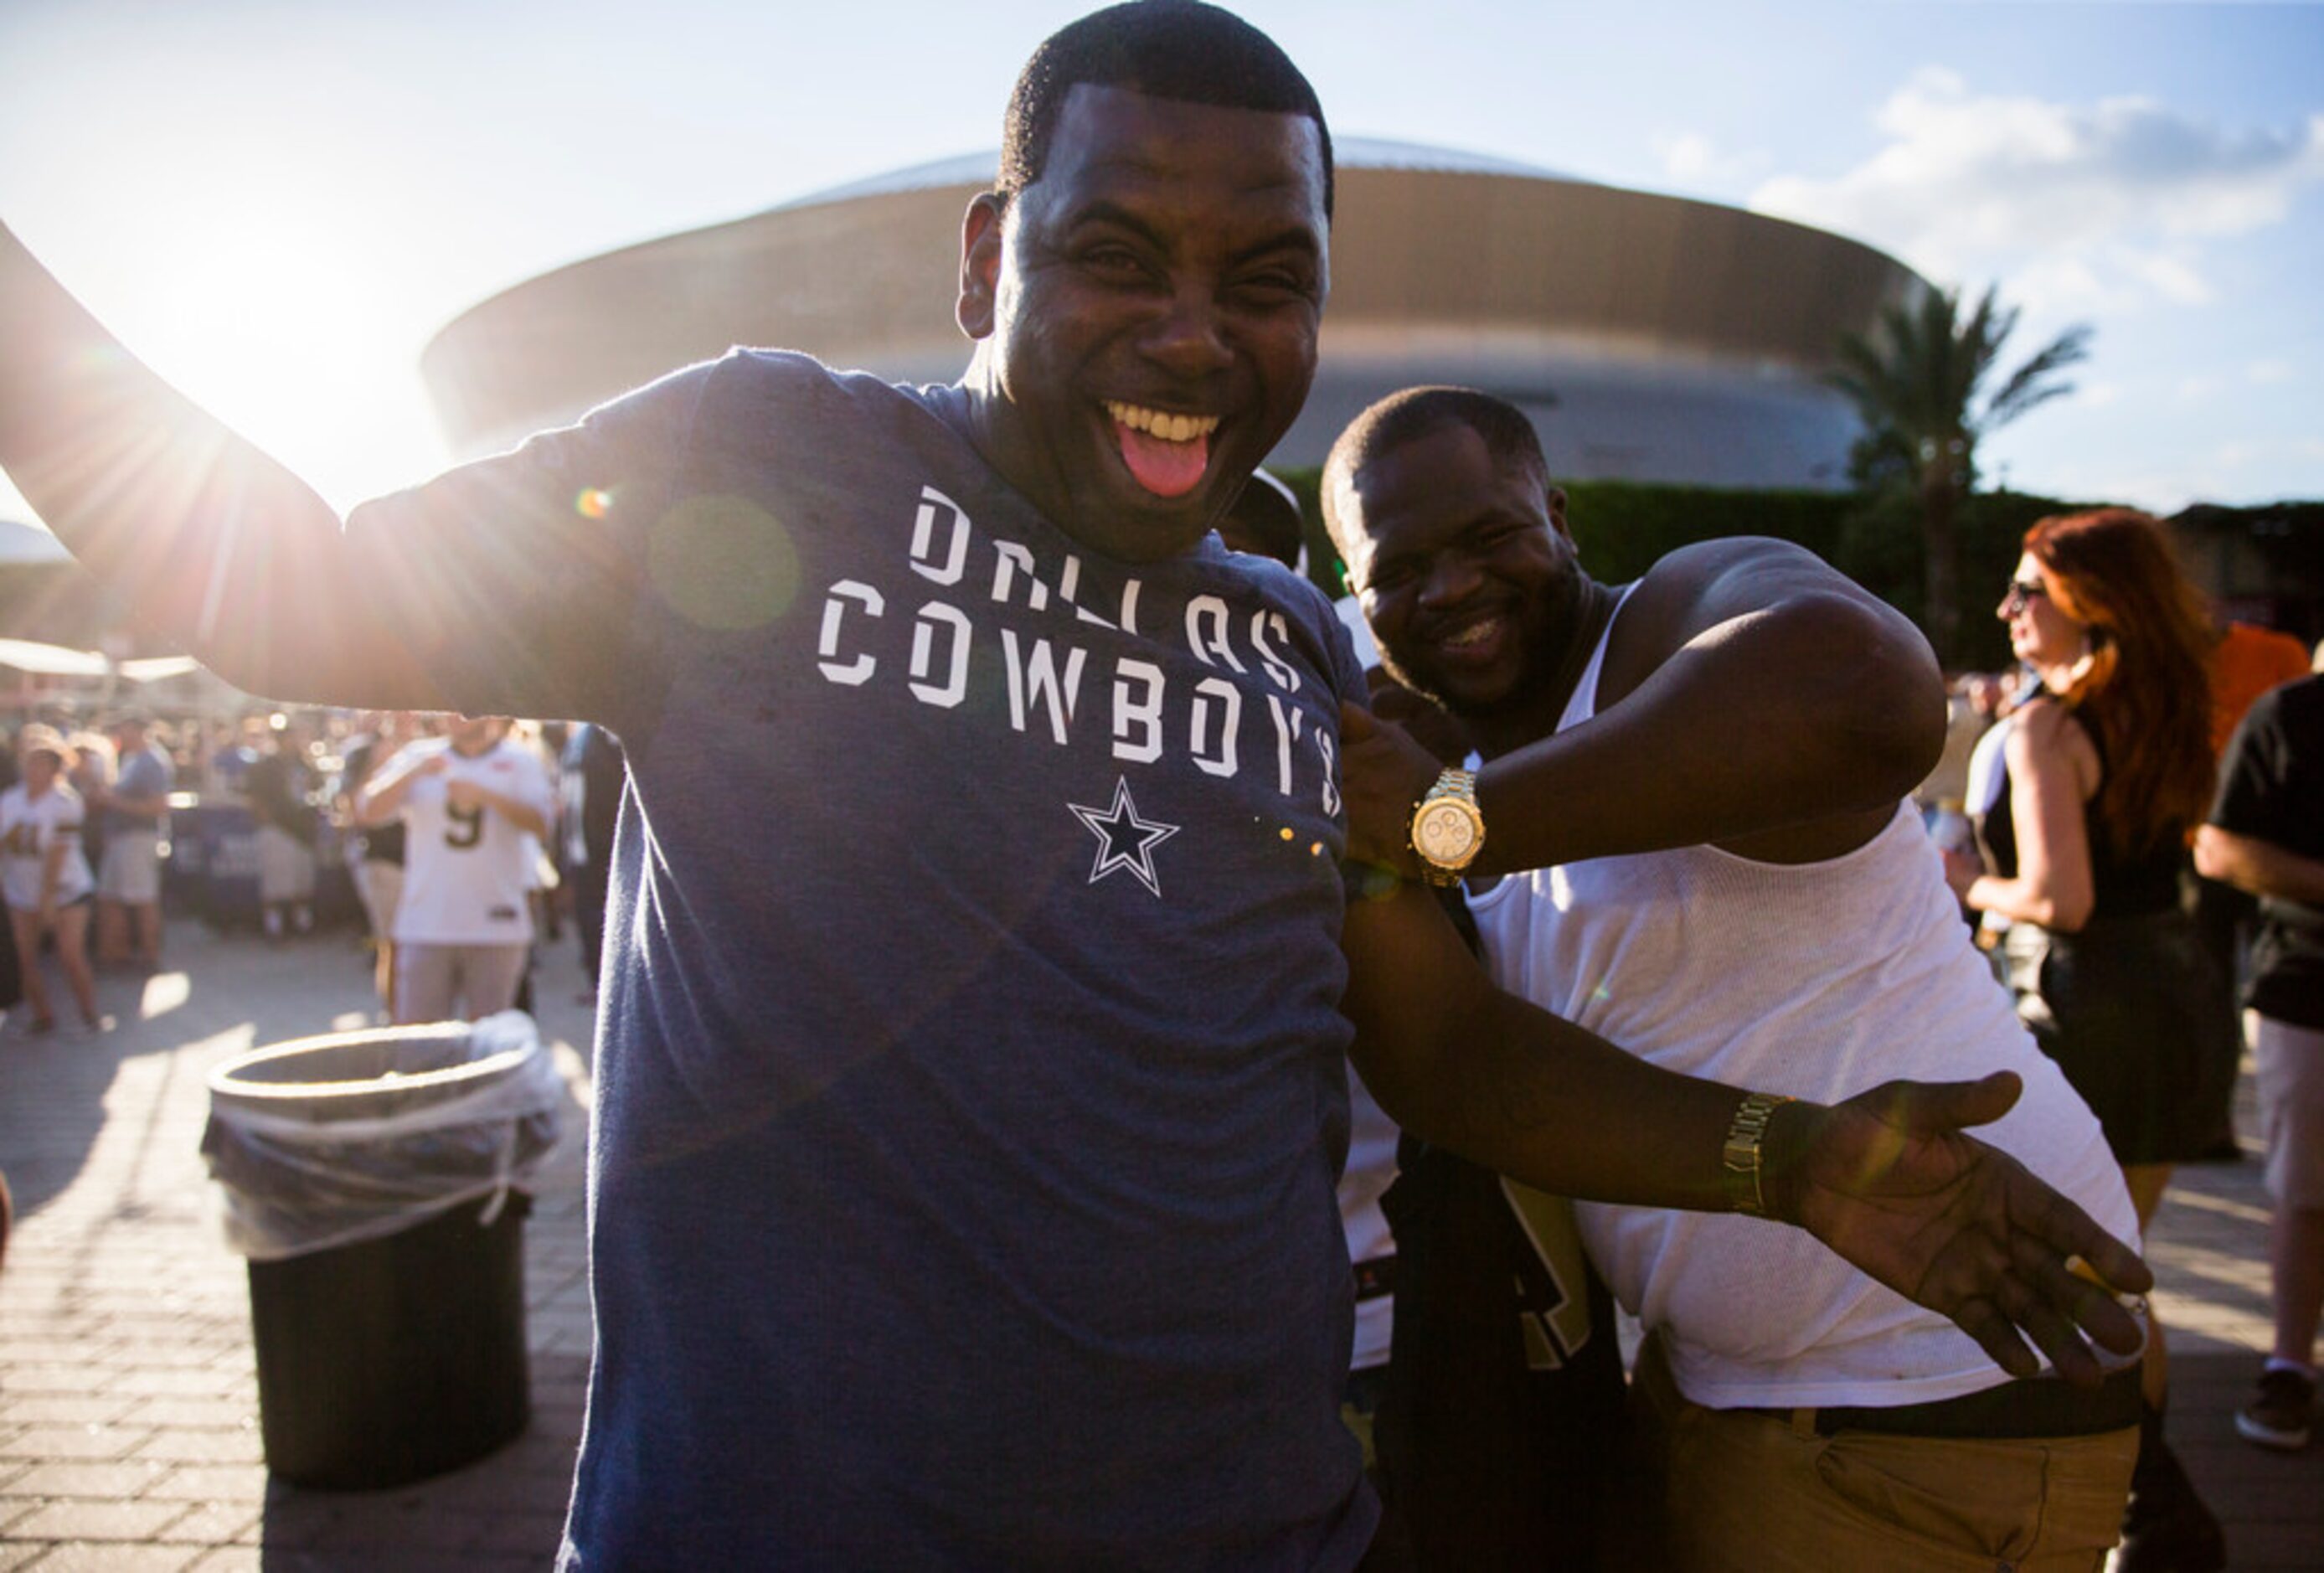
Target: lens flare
722,564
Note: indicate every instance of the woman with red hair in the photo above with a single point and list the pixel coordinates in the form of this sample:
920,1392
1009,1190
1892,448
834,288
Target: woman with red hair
2108,770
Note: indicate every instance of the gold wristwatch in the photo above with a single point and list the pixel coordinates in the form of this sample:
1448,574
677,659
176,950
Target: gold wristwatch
1447,830
1739,1163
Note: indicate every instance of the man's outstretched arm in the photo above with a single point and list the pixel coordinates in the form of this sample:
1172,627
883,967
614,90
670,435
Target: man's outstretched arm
1888,1180
217,546
1759,694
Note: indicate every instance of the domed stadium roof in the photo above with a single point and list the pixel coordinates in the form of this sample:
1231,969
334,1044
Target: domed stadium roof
1651,337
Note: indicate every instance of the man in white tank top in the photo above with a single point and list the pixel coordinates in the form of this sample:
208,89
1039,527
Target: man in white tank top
1697,785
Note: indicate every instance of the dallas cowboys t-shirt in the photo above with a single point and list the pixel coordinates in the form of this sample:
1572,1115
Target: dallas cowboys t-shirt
971,1086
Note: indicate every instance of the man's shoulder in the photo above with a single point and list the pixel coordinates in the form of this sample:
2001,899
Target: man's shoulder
2301,701
1696,586
2289,718
745,376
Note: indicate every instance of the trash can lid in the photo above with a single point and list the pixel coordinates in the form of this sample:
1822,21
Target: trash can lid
348,1075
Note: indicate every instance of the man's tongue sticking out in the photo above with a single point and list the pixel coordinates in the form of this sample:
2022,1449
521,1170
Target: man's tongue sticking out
1166,468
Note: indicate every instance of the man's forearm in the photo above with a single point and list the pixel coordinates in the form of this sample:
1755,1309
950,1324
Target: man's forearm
521,812
1771,720
2264,868
383,799
215,546
1547,1103
1507,1085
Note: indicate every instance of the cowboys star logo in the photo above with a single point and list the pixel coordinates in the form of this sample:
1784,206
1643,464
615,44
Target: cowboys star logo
1123,839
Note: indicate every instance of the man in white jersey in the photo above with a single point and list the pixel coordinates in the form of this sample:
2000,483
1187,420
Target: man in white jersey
1705,774
473,804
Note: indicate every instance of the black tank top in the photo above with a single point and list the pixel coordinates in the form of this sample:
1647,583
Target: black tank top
2121,887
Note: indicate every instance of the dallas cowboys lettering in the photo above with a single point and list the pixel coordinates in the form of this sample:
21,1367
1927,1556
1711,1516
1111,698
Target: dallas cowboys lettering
1243,653
976,913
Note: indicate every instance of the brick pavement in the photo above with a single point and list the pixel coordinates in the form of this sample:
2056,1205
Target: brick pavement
128,1399
128,1404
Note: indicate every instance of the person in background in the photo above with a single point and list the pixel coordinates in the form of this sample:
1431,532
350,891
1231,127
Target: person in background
1264,519
474,804
281,786
1968,712
2266,836
45,877
135,809
91,773
2246,661
589,788
376,851
2109,771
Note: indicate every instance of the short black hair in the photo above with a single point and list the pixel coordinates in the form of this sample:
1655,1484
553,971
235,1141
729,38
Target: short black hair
1181,50
1265,518
1417,412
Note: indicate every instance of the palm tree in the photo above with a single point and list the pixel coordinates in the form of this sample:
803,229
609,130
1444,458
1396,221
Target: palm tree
1915,382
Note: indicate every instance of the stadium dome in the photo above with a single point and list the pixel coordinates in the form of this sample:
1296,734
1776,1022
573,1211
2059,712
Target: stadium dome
1650,338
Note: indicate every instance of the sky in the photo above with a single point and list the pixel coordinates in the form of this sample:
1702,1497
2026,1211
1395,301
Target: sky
277,202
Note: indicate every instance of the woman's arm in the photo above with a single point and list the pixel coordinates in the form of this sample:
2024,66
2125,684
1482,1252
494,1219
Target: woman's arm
2054,771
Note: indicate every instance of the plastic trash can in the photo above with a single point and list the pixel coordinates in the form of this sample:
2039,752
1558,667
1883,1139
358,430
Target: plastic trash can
372,1180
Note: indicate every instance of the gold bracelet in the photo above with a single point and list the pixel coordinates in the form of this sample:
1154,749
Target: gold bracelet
1739,1158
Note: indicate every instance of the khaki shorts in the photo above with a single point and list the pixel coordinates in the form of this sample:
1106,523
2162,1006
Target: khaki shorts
2291,1080
286,867
130,872
456,983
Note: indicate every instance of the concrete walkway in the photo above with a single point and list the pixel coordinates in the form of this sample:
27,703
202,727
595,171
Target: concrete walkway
128,1405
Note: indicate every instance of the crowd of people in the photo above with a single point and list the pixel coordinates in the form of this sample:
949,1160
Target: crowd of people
968,1125
86,848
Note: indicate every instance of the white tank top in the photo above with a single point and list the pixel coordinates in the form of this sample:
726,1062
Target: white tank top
1817,980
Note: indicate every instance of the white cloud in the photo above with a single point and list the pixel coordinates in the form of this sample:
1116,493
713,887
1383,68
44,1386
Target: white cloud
1689,158
2107,203
1686,156
2268,373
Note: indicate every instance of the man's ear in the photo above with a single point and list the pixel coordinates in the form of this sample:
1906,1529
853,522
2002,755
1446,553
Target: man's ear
1556,501
979,265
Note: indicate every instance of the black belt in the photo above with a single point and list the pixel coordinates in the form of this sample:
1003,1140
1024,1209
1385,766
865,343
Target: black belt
2039,1406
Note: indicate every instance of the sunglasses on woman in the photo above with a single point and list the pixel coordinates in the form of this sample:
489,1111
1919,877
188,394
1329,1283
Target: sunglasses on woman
2021,591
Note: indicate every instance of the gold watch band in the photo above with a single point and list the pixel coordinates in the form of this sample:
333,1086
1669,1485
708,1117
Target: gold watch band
1739,1158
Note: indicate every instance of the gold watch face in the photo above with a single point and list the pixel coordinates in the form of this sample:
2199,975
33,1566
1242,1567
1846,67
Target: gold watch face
1446,832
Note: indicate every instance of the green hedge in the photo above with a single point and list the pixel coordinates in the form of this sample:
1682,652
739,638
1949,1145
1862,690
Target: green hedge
1622,528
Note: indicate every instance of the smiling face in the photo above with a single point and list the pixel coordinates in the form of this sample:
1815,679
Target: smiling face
1147,313
1464,567
2040,631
